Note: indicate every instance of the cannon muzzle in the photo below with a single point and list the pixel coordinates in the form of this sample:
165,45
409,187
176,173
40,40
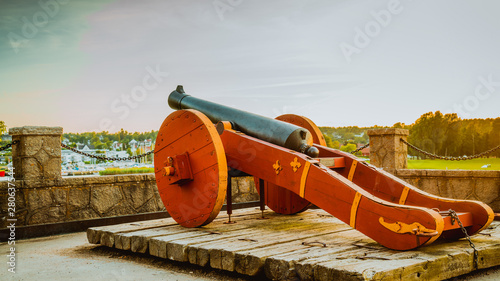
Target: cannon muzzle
264,128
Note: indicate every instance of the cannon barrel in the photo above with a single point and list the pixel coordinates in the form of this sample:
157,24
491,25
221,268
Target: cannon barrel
264,128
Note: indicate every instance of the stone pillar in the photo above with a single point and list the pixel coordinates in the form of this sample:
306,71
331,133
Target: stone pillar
386,149
37,156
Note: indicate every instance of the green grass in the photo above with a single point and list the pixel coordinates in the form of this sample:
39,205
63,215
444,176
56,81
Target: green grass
474,164
116,171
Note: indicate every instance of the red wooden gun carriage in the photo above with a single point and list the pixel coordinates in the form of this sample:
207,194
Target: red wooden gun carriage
293,168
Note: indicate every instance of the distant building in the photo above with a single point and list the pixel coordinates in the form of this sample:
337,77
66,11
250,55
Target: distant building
68,156
133,144
365,151
120,154
146,144
117,146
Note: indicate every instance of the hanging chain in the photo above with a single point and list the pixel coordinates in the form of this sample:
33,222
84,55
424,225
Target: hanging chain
9,145
361,148
454,217
107,158
431,155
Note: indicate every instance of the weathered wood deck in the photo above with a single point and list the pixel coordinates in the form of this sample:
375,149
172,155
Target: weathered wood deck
311,246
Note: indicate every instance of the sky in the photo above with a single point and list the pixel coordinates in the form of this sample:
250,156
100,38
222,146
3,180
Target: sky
106,65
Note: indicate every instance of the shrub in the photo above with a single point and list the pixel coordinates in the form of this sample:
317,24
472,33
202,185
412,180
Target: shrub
117,171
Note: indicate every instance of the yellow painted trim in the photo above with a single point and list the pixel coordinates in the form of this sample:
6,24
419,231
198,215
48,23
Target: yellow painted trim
402,228
439,228
295,165
353,168
404,195
354,209
303,179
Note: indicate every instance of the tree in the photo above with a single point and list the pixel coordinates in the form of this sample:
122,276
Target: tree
348,147
495,136
336,144
3,128
328,141
359,140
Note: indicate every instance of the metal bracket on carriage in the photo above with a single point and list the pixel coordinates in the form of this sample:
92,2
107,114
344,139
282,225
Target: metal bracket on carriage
414,228
178,169
332,162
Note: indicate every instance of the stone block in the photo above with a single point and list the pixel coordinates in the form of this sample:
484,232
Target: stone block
21,217
83,214
158,201
487,190
127,178
48,215
104,198
495,205
74,181
245,184
459,189
30,146
38,199
59,196
149,206
430,185
137,194
29,169
119,209
79,197
52,169
245,197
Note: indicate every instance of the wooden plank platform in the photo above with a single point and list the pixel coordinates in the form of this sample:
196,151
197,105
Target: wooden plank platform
312,245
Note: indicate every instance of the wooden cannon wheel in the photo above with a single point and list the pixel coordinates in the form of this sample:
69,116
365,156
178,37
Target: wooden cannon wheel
190,168
305,123
282,200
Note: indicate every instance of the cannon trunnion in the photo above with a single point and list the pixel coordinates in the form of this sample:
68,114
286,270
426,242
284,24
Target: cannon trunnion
292,168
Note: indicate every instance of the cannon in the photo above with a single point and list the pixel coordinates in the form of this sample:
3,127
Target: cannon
202,142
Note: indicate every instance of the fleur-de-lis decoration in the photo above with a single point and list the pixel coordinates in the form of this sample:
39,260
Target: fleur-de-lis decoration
277,167
295,164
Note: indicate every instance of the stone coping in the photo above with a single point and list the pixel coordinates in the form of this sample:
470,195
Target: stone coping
388,131
36,130
77,181
446,173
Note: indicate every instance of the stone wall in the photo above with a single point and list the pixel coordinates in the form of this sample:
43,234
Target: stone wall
243,190
474,185
81,198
